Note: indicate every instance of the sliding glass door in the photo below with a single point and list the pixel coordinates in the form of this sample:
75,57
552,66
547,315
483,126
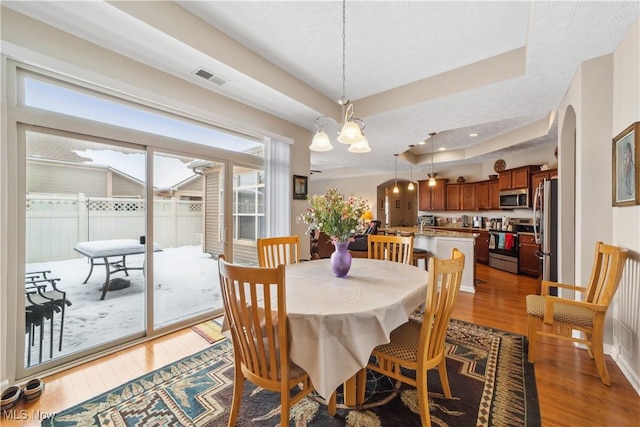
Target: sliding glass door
84,215
188,221
125,210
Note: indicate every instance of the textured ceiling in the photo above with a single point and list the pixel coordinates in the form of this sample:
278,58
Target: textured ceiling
499,69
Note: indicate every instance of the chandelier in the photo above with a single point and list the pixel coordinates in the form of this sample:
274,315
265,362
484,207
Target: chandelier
351,128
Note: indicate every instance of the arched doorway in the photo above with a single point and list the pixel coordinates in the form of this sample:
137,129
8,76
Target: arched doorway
397,209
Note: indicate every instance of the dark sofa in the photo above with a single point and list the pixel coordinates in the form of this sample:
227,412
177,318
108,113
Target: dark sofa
321,246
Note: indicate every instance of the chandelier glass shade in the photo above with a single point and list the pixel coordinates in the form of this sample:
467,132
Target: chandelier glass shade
351,128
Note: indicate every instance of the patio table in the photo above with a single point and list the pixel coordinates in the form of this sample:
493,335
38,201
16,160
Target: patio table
105,249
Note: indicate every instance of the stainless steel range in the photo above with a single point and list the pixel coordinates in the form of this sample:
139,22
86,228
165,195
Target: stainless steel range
503,245
503,250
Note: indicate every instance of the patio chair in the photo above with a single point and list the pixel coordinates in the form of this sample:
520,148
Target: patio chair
261,343
558,317
273,251
418,346
43,290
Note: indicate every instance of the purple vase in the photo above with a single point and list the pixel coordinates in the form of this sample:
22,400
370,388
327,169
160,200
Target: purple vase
341,259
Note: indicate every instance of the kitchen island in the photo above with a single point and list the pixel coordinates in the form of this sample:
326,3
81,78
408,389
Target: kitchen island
439,242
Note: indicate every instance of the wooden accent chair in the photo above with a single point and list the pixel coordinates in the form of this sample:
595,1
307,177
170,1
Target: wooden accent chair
420,345
391,248
261,343
587,316
273,251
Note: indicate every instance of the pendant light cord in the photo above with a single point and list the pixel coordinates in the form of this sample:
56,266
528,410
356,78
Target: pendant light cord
344,49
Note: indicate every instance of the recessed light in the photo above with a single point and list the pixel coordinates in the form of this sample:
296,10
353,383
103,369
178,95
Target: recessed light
421,143
473,134
441,149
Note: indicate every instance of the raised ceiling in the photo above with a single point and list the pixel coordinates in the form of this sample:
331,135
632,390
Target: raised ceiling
498,69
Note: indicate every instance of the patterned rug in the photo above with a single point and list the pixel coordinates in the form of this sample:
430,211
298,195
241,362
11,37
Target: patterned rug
491,381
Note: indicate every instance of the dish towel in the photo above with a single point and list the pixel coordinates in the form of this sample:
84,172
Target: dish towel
492,241
501,241
508,241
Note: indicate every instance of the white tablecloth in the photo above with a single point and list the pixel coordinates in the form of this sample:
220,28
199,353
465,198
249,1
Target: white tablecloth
335,323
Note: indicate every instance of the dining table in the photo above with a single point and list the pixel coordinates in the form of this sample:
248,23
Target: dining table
336,322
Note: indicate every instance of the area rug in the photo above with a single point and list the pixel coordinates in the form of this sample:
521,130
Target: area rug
209,330
491,381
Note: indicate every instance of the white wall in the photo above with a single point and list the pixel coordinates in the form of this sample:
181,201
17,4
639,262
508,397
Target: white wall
605,95
625,221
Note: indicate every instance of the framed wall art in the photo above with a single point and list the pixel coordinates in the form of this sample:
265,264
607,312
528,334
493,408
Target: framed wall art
300,187
626,177
397,204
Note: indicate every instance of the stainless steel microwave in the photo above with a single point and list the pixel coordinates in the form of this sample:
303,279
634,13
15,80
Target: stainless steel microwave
514,199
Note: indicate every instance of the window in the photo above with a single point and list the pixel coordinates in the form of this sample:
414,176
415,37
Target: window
248,205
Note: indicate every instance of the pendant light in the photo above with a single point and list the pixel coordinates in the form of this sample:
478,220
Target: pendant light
410,187
395,187
432,177
351,128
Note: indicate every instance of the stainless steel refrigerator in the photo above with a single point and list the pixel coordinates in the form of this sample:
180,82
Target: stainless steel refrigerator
545,211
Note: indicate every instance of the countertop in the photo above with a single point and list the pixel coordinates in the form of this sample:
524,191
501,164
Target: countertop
439,231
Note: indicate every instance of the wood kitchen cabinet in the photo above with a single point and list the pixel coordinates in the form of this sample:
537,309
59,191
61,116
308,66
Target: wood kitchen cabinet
537,177
461,197
453,197
488,195
432,198
482,247
468,200
528,262
515,179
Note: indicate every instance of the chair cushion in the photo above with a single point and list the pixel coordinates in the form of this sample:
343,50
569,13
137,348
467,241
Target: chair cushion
563,313
404,342
420,251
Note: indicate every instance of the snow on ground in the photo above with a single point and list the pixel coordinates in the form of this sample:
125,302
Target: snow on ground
186,283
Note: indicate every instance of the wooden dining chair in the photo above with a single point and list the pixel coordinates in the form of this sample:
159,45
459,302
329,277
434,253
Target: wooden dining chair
558,317
420,345
273,251
391,248
261,343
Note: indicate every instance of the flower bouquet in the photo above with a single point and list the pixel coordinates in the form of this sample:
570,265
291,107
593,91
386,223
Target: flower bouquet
341,219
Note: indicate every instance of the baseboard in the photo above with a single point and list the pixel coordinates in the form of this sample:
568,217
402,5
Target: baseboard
468,289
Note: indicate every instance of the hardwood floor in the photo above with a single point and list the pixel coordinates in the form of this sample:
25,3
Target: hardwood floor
569,389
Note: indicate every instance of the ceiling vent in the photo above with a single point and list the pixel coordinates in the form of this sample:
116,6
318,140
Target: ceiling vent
201,72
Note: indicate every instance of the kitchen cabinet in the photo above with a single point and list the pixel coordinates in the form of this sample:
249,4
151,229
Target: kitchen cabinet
515,179
432,198
488,195
528,261
537,177
453,197
461,197
482,247
468,201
